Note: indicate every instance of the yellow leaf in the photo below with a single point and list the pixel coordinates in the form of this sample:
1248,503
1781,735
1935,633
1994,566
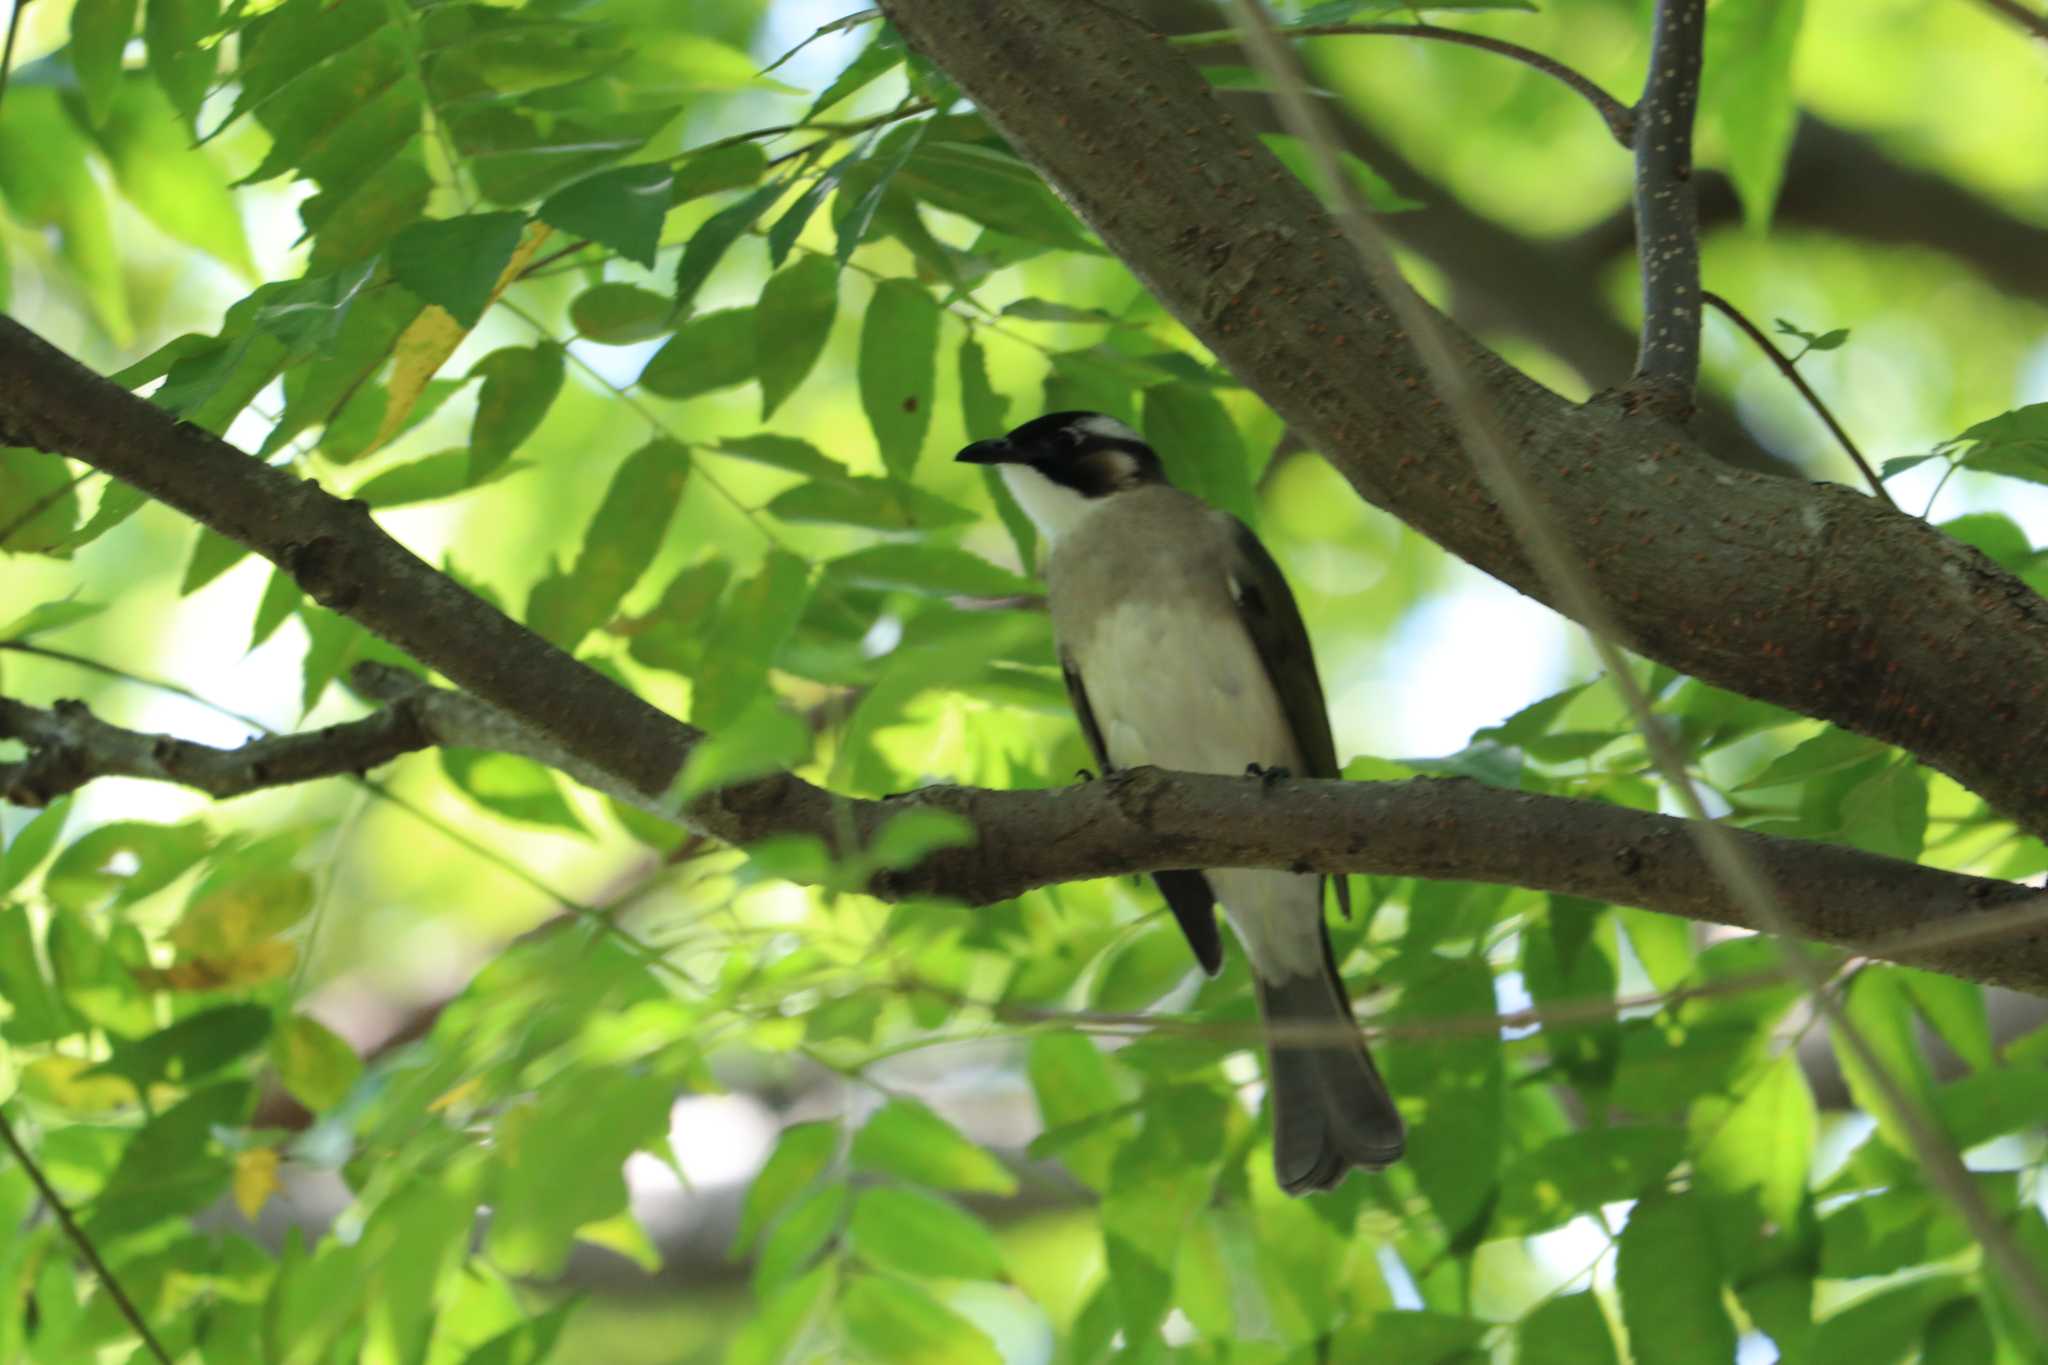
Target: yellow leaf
255,1180
449,1099
249,966
54,1081
433,336
250,910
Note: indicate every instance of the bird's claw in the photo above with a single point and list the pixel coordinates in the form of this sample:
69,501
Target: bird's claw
1267,776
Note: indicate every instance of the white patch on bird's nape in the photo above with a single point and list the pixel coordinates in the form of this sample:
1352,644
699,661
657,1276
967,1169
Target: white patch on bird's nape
1053,508
1108,428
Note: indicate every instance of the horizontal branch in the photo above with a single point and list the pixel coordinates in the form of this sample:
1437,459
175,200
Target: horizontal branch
1810,596
68,747
1146,819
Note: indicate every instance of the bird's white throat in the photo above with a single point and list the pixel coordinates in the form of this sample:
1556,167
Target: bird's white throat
1053,508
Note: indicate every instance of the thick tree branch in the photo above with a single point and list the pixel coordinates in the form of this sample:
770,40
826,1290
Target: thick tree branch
1814,597
1667,205
2031,20
1146,819
68,747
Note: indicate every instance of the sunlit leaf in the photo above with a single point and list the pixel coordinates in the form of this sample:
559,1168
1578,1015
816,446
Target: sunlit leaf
906,1139
898,354
921,1234
1669,1278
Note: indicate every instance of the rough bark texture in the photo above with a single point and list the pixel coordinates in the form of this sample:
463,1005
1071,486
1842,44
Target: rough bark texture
1813,597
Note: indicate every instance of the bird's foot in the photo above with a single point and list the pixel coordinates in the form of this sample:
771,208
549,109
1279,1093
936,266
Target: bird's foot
1267,776
1083,775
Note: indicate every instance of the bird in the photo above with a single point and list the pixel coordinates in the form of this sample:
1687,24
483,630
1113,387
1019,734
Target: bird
1183,648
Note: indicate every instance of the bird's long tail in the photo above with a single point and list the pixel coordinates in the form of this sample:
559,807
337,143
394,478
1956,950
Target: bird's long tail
1331,1111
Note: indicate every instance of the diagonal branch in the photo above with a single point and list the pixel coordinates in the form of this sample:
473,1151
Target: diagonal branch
1667,204
68,747
2032,20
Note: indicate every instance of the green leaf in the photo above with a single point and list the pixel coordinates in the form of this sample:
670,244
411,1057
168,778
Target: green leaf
2013,443
623,538
316,1066
585,1131
510,786
1899,464
1978,1108
1959,1334
881,504
1455,1080
427,479
763,738
720,168
1579,1172
1669,1279
791,324
1887,812
99,33
1746,88
1830,751
180,55
1200,447
710,351
194,1047
1079,1105
1883,1328
620,314
32,843
895,1321
995,189
213,554
250,895
172,1166
921,1234
1421,1337
2002,539
1889,1231
48,616
784,231
531,1342
520,384
47,182
37,1012
811,1222
456,262
1879,1008
1142,968
622,208
912,834
905,1139
1567,1330
125,860
882,55
801,1155
1760,1143
783,452
783,1319
708,245
750,631
1382,196
38,501
180,188
1955,1009
898,367
924,567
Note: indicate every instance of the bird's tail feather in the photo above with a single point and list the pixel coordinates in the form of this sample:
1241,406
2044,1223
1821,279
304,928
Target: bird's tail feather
1331,1111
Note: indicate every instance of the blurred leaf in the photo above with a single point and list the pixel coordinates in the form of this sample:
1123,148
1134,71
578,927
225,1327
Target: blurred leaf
783,452
1830,751
762,738
921,1234
1878,1007
1746,87
317,1067
882,55
995,189
37,1013
1079,1104
47,616
624,536
720,168
47,182
428,479
38,504
1567,1330
1142,968
622,208
177,186
100,30
1669,1280
1383,197
791,322
192,1048
32,842
1761,1142
1887,812
1454,1078
708,245
926,568
881,504
895,1321
751,628
815,1219
710,351
898,357
1978,1108
1884,1327
1959,1334
1199,444
620,314
1580,1172
173,1166
127,860
520,384
905,1139
1955,1009
250,895
181,57
911,834
801,1155
1889,1231
1423,1337
511,786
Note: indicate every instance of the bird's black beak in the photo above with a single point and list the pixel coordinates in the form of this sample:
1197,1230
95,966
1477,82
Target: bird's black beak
987,452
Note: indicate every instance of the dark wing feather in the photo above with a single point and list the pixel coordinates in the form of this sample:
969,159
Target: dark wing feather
1266,606
1186,891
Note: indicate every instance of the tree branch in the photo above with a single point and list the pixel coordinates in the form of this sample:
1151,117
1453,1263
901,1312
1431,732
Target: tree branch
2034,22
1619,118
1145,819
1666,203
1813,597
68,747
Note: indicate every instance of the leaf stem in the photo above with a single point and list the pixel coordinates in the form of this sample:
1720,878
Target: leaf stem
1788,366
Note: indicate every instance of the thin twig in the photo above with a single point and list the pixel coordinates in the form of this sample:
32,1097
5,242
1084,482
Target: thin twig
1619,118
7,53
1667,204
2031,20
1790,370
82,1242
1573,587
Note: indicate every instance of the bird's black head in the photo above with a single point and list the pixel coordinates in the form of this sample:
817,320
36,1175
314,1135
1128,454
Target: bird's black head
1090,453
